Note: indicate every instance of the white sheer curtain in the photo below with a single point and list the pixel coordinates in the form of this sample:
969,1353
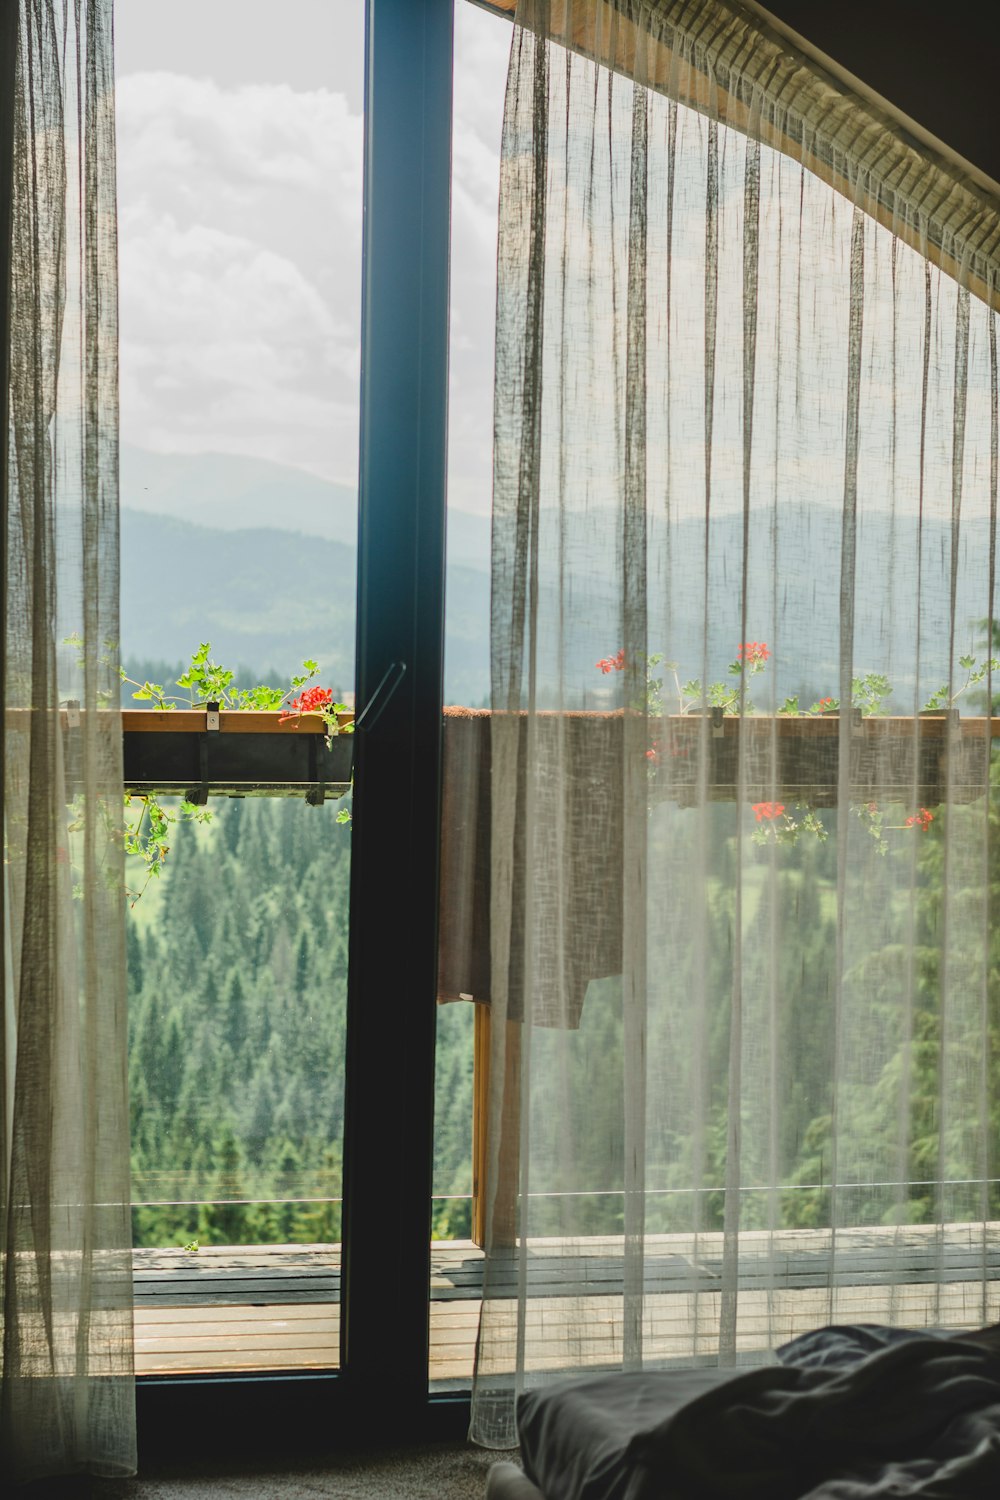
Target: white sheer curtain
744,534
66,1387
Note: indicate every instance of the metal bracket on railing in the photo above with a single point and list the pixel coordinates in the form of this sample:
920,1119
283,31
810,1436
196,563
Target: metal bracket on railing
399,667
73,747
857,722
718,715
316,795
198,795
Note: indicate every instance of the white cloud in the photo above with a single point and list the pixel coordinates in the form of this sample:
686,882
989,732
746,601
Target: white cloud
482,44
240,225
240,254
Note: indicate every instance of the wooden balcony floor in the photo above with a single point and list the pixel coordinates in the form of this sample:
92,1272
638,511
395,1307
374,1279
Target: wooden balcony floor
277,1307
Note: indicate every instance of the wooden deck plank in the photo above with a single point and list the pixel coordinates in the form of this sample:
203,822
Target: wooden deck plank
224,1360
560,1277
167,1317
253,1341
276,1307
560,1335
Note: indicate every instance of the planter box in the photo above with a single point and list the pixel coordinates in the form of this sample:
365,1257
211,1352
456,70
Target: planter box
931,759
248,755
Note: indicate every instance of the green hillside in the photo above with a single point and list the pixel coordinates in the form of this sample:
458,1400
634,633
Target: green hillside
267,599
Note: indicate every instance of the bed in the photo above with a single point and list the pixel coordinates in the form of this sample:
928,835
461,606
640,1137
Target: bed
846,1413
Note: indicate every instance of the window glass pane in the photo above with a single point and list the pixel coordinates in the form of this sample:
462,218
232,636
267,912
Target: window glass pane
482,47
240,161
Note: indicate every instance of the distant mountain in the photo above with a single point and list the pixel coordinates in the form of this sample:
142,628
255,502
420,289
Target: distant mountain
232,492
268,598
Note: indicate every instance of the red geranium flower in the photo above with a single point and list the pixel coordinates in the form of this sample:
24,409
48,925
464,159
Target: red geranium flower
922,820
314,700
766,811
752,651
612,663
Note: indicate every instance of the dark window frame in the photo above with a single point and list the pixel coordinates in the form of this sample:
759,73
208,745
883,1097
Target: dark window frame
389,1104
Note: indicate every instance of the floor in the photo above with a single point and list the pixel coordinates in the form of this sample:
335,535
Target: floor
452,1471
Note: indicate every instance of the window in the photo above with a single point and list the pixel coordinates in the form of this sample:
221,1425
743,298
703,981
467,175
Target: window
239,173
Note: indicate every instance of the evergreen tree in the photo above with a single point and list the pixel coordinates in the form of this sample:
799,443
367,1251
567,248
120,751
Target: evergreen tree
303,965
133,959
234,1010
223,1221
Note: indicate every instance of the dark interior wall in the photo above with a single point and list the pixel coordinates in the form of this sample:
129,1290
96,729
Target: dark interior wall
939,64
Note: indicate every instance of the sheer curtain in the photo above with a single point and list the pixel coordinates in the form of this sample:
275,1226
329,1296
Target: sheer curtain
744,558
66,1396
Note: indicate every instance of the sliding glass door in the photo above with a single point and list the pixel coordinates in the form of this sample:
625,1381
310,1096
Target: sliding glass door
281,1109
240,205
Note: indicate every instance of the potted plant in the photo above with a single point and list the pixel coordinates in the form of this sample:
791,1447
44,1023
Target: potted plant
220,740
714,743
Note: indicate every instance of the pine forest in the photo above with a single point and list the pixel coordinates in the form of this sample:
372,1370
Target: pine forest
237,962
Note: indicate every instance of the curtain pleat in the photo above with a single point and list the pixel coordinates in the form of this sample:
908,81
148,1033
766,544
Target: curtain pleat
745,496
66,1381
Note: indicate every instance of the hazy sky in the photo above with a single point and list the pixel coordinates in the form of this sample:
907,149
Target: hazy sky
240,231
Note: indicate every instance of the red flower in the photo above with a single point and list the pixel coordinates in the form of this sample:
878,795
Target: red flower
767,810
653,753
612,663
922,820
824,703
314,700
752,651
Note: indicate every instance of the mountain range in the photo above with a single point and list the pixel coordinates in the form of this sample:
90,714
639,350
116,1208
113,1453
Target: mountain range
259,559
232,492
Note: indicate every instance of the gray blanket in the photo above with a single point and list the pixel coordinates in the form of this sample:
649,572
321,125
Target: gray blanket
853,1414
920,1418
